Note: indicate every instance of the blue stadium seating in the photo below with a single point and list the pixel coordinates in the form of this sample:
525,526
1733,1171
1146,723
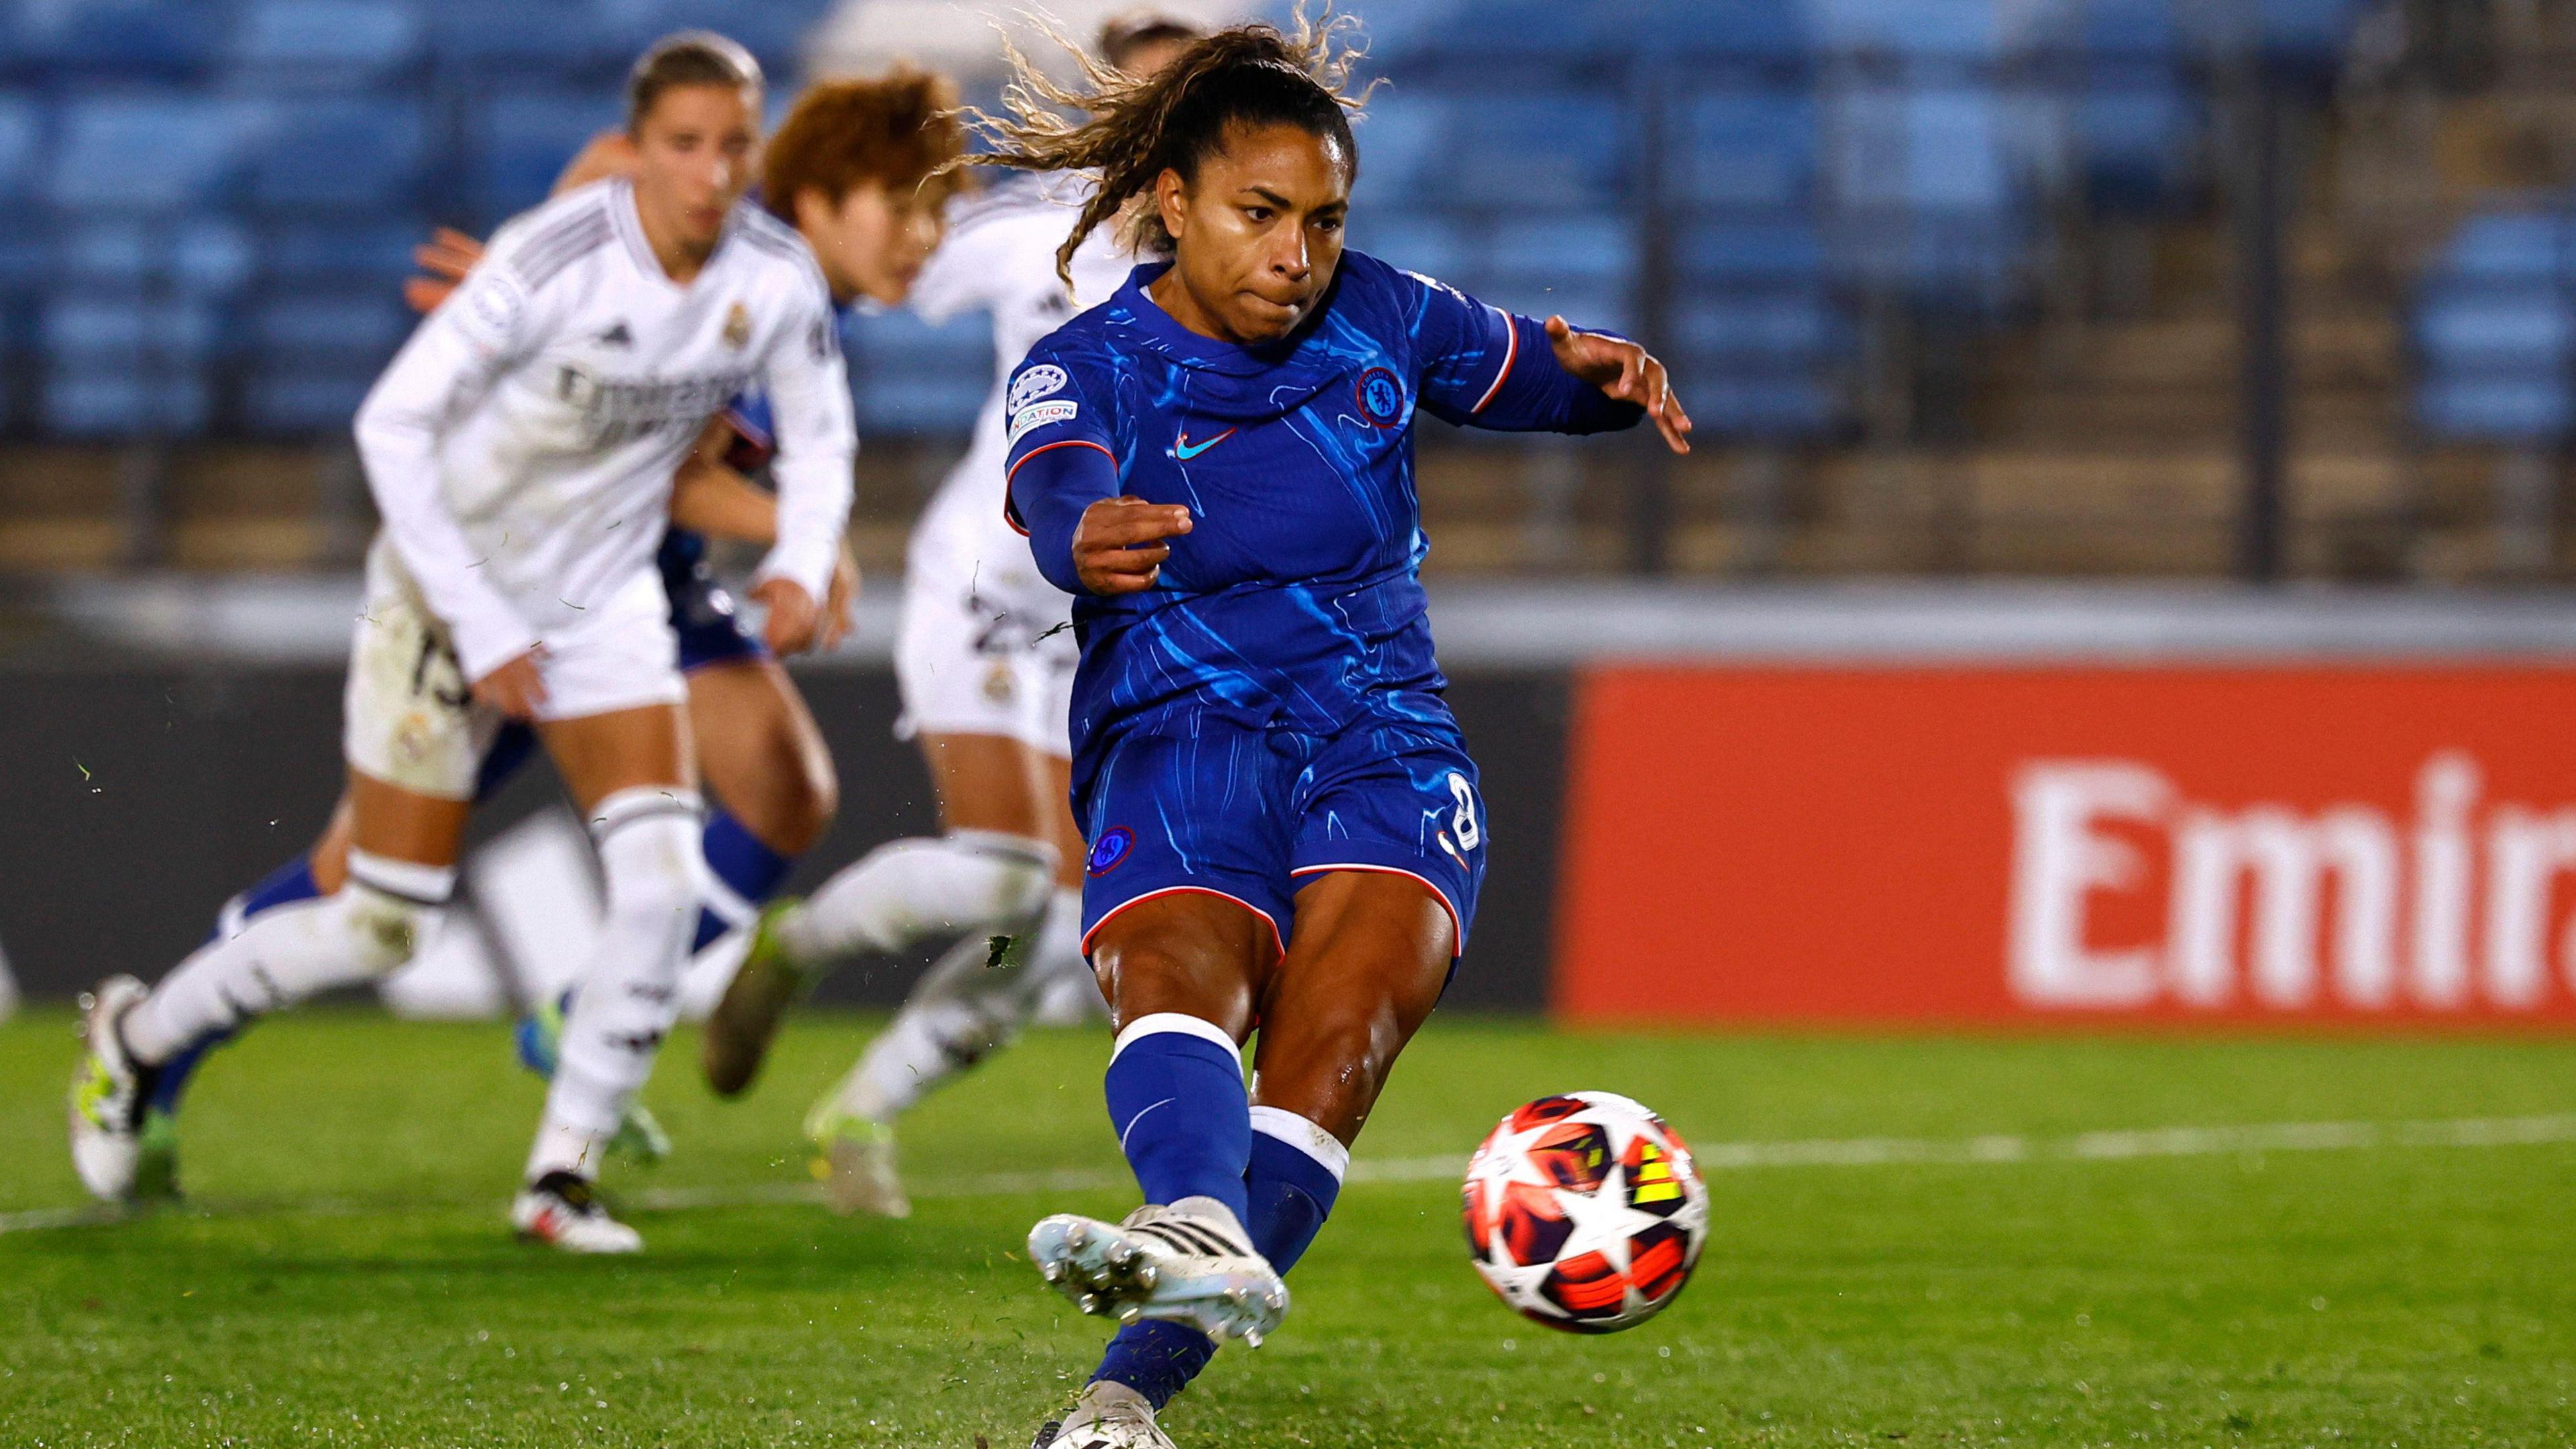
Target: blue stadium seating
346,44
148,151
470,39
1753,150
22,154
2495,331
121,39
265,167
522,142
356,154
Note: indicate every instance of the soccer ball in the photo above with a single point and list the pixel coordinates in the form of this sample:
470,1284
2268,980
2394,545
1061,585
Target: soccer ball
1584,1212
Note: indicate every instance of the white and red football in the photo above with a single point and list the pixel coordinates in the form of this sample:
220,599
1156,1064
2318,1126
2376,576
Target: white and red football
1584,1212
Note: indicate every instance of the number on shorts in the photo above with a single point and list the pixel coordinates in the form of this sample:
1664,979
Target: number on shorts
1463,824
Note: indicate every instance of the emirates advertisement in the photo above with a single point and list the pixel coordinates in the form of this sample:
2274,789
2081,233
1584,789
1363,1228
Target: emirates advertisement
2346,845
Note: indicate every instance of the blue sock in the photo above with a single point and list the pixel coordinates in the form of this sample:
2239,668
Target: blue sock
283,886
748,868
1291,1189
1290,1193
1177,1101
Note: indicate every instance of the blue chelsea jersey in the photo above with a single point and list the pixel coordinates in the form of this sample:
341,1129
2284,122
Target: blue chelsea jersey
1294,601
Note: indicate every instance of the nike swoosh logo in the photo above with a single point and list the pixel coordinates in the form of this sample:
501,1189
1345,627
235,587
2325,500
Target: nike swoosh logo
1185,451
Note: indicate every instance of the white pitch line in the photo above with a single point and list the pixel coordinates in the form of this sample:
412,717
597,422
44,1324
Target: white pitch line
1990,1150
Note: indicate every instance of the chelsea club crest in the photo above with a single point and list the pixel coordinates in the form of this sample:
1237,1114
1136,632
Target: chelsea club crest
1381,398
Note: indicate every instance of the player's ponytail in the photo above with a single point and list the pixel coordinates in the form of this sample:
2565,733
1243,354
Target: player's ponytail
1135,128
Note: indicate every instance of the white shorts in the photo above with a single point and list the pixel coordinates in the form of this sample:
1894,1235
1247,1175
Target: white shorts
407,718
986,644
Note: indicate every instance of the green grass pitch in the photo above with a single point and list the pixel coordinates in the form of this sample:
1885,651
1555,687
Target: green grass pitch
344,1276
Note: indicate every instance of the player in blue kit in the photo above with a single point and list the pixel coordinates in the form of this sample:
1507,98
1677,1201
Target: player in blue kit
1284,825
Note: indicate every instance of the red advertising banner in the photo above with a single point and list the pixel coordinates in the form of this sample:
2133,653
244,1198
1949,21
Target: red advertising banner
2024,845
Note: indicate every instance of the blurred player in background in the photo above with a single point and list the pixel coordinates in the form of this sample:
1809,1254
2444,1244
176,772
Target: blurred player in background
521,449
1284,824
864,157
985,661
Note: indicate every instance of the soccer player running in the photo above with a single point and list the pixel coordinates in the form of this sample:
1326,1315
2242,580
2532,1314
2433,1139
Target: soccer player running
859,162
1285,831
521,449
984,658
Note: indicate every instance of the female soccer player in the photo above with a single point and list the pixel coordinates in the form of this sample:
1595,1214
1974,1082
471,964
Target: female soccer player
1284,826
985,659
521,449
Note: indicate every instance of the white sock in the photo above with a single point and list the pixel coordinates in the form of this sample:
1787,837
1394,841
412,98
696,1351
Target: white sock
629,990
289,953
963,1009
908,891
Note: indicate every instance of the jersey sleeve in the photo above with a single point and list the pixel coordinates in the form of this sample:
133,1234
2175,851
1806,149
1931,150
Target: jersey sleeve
1063,454
817,441
1483,367
487,327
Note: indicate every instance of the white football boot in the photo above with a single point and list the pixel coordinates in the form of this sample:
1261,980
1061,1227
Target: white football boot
1107,1416
562,1210
108,1094
854,1157
1188,1263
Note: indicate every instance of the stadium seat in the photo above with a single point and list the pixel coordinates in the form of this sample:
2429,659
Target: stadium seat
202,257
343,44
22,141
119,366
84,329
337,254
312,358
1919,32
1432,245
2494,328
145,153
1560,149
1922,194
355,154
126,39
364,327
1767,35
773,30
1735,252
302,403
522,142
470,38
1400,139
1753,150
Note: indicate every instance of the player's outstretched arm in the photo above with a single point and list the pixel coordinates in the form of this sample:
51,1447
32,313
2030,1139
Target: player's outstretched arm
1625,372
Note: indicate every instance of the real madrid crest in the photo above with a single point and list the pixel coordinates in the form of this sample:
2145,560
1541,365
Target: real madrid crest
737,333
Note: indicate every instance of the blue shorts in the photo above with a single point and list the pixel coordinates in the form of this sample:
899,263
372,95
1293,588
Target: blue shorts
701,615
1199,803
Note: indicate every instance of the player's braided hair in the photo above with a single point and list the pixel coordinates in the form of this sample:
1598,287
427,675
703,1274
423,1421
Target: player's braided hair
1136,128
